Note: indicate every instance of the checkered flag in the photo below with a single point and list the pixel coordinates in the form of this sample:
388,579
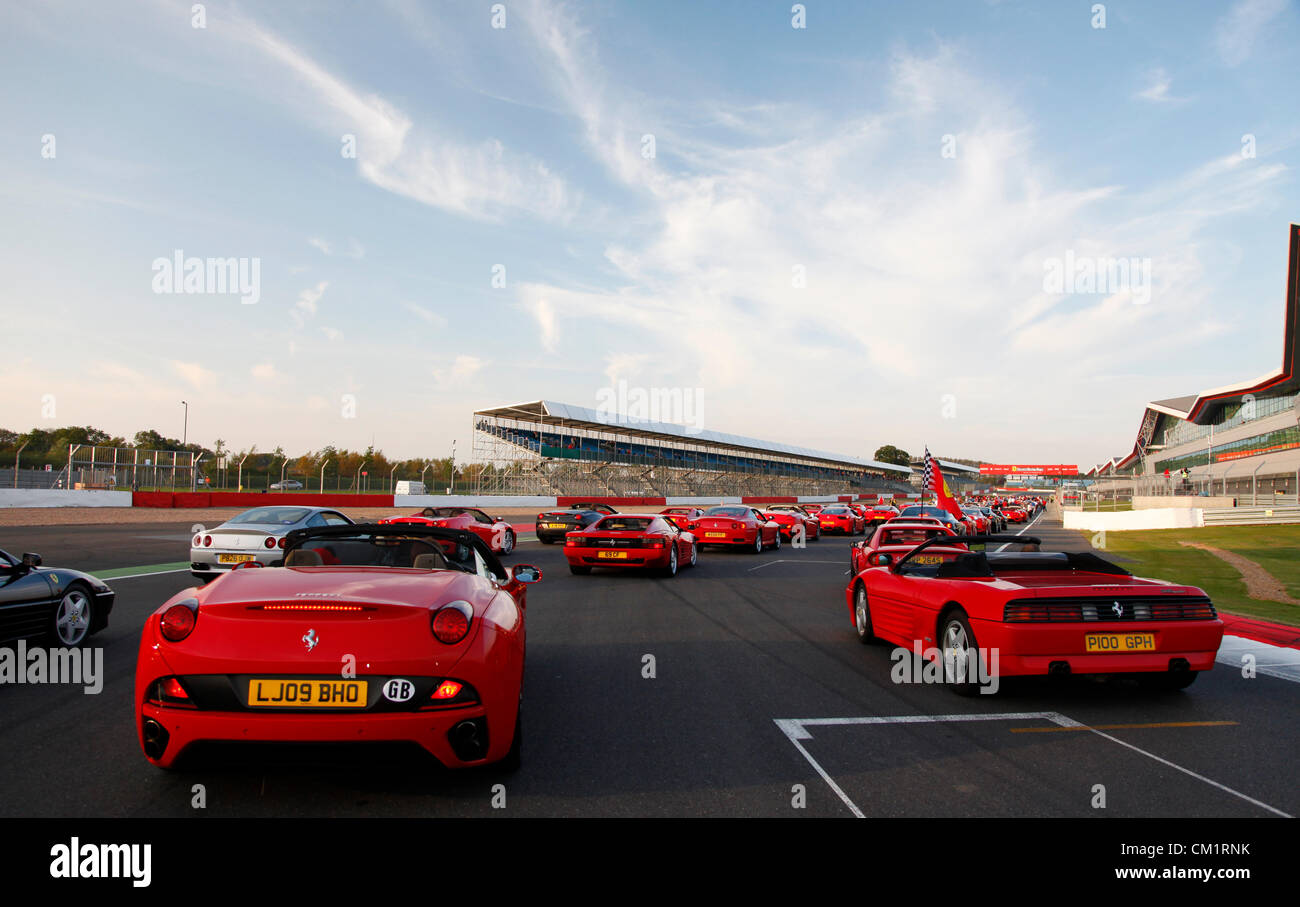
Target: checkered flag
927,475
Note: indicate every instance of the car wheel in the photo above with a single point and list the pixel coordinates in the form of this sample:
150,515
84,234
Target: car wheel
671,569
71,622
957,642
508,544
862,615
544,540
1168,682
578,570
776,546
758,541
695,554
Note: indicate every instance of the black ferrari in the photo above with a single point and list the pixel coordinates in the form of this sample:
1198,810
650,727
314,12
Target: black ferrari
63,606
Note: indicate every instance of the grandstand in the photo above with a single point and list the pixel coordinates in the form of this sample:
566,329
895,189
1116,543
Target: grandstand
1241,440
551,448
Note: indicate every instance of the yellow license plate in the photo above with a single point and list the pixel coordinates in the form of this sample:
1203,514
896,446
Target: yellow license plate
612,555
557,525
1121,642
306,694
235,558
715,535
927,559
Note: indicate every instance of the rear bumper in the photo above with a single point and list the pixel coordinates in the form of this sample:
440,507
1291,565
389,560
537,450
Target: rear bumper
430,730
1028,649
738,537
636,557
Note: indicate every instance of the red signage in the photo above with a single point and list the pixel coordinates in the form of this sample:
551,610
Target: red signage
1059,469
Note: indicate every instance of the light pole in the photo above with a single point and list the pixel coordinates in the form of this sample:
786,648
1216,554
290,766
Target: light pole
185,430
451,481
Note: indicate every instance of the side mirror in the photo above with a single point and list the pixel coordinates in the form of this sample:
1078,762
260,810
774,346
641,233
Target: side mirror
526,573
31,561
883,559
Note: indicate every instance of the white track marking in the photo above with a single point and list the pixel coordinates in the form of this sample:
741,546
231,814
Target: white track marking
1274,661
1188,771
796,730
1025,528
785,561
118,579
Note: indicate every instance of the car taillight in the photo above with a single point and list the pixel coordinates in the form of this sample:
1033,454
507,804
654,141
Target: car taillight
572,541
541,516
178,621
172,689
283,543
198,541
652,542
207,541
737,525
451,622
270,542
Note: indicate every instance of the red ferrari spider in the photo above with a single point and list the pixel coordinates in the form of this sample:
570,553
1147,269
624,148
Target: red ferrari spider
403,633
1031,612
737,526
841,518
499,535
631,540
895,537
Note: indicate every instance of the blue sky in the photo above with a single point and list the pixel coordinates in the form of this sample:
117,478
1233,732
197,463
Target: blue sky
923,318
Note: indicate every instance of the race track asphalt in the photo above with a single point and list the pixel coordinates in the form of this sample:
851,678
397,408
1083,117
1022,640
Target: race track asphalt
737,644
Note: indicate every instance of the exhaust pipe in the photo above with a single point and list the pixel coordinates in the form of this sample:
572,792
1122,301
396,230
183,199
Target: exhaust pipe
155,739
1058,669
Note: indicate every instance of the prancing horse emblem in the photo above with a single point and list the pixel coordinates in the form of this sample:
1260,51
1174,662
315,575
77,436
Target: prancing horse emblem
310,638
1118,609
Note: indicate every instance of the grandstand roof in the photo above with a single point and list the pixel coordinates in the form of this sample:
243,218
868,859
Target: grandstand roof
568,415
1201,408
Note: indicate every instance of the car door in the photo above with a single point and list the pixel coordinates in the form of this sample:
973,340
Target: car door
26,597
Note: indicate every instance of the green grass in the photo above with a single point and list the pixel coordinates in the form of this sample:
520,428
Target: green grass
1157,554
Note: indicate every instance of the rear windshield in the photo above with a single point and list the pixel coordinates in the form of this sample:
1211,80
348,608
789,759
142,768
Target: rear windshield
272,516
623,524
727,511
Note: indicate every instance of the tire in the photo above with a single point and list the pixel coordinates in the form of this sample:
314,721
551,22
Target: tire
1168,682
695,554
758,542
776,546
862,615
956,636
671,570
508,545
544,540
578,570
70,623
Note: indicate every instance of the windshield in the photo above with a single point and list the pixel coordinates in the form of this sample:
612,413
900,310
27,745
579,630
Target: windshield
927,511
272,516
384,551
727,511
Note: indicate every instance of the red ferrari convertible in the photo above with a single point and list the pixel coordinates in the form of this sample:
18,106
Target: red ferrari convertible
631,540
499,535
1033,612
368,633
897,538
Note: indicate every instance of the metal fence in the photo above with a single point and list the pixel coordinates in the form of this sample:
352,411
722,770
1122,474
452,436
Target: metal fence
33,478
1245,516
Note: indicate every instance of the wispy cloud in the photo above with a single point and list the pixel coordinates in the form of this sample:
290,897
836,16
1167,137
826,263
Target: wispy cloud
1237,32
193,374
482,180
1157,87
428,316
304,308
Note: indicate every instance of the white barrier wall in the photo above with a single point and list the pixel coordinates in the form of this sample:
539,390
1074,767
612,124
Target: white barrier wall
466,500
62,497
1164,518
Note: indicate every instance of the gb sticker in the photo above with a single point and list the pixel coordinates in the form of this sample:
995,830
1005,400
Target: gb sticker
398,690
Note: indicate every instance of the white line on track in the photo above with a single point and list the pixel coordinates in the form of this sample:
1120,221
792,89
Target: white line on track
796,730
784,561
1025,528
117,579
